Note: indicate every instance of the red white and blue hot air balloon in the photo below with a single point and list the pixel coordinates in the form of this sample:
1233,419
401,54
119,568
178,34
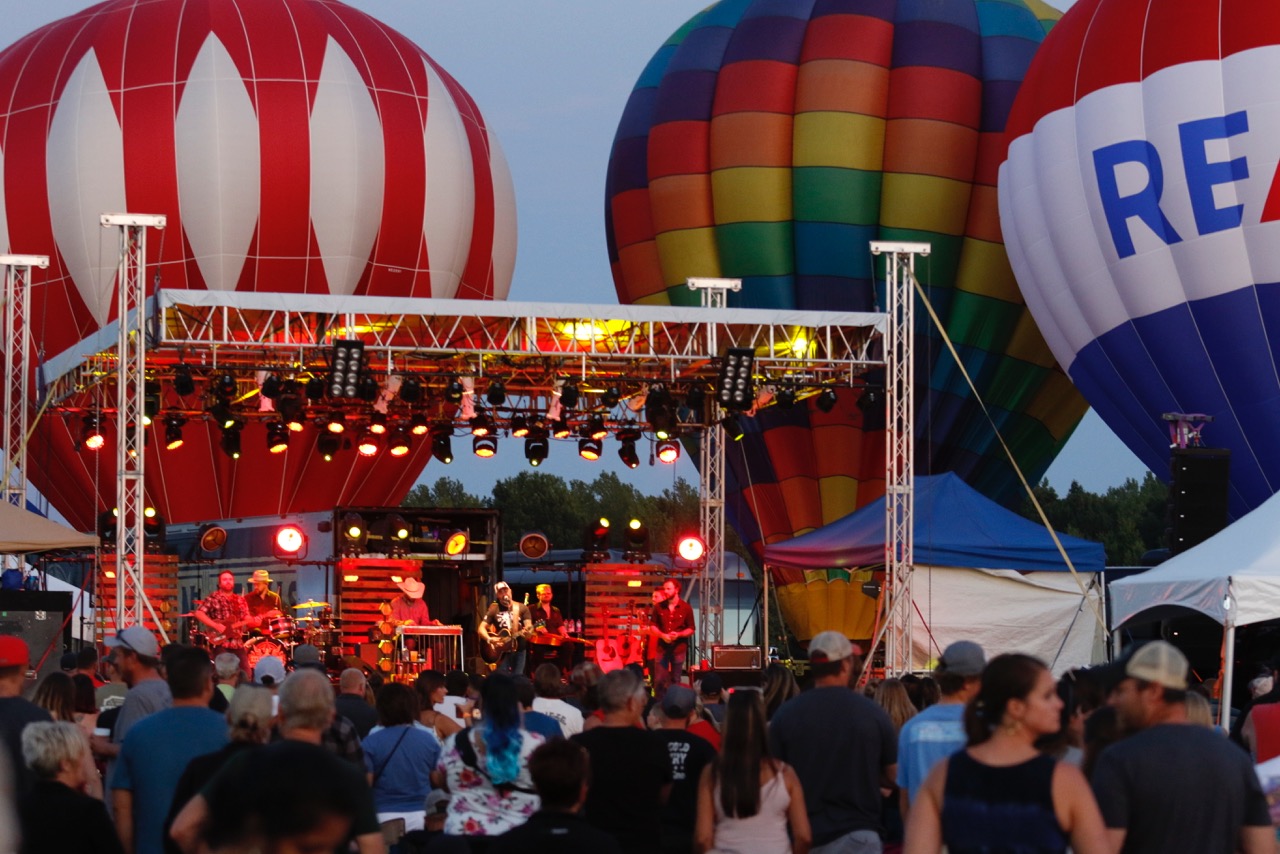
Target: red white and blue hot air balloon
296,146
1141,209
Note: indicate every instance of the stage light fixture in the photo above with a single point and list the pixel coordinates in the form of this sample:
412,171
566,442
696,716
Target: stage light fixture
627,453
442,442
270,387
367,389
534,545
289,543
535,449
173,425
590,449
337,422
732,428
378,423
410,389
660,410
691,548
629,431
222,415
827,399
107,525
230,441
328,445
183,384
277,437
595,428
595,541
225,386
668,451
400,443
695,398
497,393
347,370
480,423
569,394
519,427
91,433
154,530
369,445
456,542
150,402
397,527
611,396
560,429
294,423
418,425
355,533
785,396
636,538
315,389
484,446
454,390
212,538
735,388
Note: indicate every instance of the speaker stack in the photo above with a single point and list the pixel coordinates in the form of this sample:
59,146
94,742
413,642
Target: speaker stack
39,618
1198,494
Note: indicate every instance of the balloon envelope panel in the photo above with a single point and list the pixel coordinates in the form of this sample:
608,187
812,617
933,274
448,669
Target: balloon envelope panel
1139,203
772,141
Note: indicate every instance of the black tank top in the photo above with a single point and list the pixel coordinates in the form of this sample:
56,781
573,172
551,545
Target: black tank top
1005,810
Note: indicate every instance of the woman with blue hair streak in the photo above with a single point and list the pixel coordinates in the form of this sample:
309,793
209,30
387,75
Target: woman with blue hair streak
486,769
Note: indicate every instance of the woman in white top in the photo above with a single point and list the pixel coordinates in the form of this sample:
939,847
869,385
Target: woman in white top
746,798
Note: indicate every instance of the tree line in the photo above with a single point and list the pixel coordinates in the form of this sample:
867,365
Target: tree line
1129,520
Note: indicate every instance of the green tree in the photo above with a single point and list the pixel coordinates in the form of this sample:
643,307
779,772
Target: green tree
533,501
445,492
1128,520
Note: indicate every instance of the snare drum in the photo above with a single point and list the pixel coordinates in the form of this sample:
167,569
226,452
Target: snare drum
280,627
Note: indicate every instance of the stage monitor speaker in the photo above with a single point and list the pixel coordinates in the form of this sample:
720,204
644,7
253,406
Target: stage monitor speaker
734,678
37,617
736,658
1198,495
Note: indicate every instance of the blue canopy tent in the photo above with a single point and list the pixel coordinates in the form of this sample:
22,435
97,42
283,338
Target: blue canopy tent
982,573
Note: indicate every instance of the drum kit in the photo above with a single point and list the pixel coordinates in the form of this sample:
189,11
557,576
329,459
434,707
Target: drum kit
280,633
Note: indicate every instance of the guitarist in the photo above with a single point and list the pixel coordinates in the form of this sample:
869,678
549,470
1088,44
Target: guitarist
506,624
548,621
672,620
225,614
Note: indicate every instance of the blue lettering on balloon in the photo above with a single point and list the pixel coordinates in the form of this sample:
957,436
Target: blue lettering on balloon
1202,175
1144,204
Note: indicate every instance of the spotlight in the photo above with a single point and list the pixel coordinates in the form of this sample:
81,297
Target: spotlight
519,427
107,524
569,394
183,384
590,449
354,532
212,538
827,399
290,406
367,389
153,530
535,450
442,442
400,442
627,453
90,433
668,451
150,402
378,423
480,424
595,541
454,390
734,387
560,429
222,415
230,442
369,444
456,542
691,548
397,527
732,428
348,367
484,446
277,437
328,445
595,428
534,545
270,387
695,398
225,386
337,422
418,425
293,423
497,394
660,410
785,396
636,538
410,389
611,396
173,431
315,389
289,543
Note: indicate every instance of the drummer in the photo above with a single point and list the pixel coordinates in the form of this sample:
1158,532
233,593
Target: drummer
264,603
548,628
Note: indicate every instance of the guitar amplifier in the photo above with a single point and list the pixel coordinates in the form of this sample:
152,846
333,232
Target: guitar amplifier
736,658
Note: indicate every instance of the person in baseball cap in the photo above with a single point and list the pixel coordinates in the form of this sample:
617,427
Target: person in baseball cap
829,646
14,652
136,639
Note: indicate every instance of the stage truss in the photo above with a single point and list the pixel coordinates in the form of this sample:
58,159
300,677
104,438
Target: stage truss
536,349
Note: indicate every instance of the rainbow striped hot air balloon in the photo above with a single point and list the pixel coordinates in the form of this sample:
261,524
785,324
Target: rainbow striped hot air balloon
772,141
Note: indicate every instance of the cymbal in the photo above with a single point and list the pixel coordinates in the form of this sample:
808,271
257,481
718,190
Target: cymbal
312,604
306,619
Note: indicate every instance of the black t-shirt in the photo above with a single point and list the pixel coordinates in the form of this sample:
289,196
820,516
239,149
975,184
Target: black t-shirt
357,710
839,743
15,714
1178,787
689,754
554,833
56,818
629,767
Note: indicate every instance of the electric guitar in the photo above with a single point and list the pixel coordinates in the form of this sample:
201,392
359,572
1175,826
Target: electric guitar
230,633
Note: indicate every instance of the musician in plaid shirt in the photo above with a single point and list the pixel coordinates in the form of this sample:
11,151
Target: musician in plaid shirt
225,613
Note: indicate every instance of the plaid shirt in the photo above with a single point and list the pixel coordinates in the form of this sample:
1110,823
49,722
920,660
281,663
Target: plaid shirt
227,609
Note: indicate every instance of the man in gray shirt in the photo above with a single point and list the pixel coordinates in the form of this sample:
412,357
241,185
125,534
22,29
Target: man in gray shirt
137,657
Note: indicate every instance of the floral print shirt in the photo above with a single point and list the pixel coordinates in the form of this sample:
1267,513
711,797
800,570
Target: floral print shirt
476,807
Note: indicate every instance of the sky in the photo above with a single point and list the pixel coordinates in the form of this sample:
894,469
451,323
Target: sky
551,78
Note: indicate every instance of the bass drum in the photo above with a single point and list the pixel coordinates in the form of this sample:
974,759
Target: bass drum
259,648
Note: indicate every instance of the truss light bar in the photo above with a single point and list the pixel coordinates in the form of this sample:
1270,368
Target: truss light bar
735,386
348,367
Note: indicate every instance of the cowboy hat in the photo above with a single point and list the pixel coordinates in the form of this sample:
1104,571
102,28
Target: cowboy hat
412,587
260,575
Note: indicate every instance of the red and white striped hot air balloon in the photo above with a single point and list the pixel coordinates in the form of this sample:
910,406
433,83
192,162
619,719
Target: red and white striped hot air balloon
296,146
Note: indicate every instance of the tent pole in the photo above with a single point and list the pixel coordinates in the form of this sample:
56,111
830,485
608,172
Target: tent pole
764,643
1228,658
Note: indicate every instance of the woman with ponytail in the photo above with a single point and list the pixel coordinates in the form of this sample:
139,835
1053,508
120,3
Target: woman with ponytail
1001,794
486,769
746,798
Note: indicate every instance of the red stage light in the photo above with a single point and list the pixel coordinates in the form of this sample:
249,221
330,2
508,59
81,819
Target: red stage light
289,541
691,547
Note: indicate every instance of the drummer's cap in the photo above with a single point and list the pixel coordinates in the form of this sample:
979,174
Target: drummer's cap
136,639
260,575
499,586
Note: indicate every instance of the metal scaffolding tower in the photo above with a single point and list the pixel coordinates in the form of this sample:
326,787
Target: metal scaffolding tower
899,450
17,338
131,543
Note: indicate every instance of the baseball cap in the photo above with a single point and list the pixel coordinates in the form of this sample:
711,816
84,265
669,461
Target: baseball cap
68,662
711,684
269,666
1158,661
829,646
135,639
963,658
14,652
305,653
679,701
500,585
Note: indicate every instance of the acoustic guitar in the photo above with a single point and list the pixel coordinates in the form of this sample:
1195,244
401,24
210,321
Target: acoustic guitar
617,650
502,641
